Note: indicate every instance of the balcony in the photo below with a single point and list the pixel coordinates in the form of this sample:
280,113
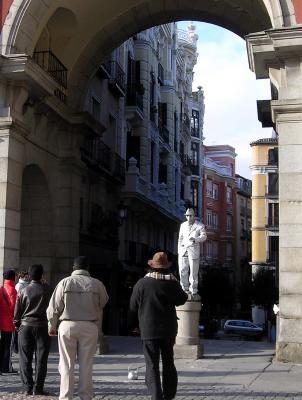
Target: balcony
186,164
272,191
195,132
117,79
156,195
104,71
273,156
164,133
134,104
272,223
99,157
53,66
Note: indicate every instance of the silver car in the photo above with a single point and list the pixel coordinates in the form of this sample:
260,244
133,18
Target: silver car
242,327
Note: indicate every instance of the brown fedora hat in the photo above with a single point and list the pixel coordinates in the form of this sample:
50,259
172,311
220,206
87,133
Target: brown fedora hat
160,260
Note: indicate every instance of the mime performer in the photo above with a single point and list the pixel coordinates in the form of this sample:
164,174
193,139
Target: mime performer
191,234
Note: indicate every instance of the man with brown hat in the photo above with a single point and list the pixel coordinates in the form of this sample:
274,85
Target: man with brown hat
154,298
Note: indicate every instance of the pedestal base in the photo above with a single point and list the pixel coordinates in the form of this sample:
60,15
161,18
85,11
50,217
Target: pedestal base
191,351
188,343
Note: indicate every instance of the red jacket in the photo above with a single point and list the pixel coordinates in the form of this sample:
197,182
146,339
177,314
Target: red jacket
8,296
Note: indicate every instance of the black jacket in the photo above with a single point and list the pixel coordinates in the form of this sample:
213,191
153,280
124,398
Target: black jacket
31,305
154,300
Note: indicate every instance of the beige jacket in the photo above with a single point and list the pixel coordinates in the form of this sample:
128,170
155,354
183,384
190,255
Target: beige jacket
77,298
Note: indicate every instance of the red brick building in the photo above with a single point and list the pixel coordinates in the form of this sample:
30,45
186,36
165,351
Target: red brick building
218,210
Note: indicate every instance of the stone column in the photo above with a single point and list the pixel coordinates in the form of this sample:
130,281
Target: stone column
67,217
288,118
188,343
11,168
277,54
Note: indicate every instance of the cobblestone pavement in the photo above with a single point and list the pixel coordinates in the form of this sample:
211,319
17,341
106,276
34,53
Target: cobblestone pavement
229,370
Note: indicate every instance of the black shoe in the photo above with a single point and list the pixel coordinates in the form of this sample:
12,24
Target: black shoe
41,392
28,392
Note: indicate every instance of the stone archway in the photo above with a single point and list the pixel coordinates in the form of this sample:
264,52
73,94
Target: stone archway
36,230
275,52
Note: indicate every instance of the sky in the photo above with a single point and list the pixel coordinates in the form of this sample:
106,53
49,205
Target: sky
231,91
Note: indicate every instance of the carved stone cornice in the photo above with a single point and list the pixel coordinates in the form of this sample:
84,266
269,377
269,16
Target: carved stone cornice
289,110
272,48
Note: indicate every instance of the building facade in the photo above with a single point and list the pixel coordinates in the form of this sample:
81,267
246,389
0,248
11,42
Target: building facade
218,214
265,213
243,243
112,181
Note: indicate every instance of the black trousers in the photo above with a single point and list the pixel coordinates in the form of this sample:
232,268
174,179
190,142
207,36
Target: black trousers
6,351
153,350
33,339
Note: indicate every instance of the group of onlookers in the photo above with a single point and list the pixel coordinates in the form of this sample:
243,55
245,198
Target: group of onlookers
73,312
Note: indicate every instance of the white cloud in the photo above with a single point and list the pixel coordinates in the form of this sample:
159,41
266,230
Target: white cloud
231,91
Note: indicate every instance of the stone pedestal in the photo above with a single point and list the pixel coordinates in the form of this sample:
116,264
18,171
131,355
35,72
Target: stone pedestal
188,343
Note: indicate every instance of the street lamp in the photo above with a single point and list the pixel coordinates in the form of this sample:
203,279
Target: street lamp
122,212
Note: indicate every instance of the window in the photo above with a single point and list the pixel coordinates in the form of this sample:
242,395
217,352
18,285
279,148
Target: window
209,188
175,132
195,155
195,123
152,162
195,158
273,184
152,98
212,219
194,194
229,223
215,191
212,249
229,195
96,108
229,250
273,214
162,114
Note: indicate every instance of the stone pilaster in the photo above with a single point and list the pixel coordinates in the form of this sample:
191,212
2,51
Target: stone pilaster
277,54
11,167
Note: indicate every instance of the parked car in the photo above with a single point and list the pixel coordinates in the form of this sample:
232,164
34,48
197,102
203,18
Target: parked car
242,327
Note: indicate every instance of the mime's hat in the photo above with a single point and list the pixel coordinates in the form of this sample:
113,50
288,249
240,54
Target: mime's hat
190,211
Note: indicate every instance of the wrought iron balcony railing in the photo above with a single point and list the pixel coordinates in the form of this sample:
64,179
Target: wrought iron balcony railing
53,66
117,80
97,155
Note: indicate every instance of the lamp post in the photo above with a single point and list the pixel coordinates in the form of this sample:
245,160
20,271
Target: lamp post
122,212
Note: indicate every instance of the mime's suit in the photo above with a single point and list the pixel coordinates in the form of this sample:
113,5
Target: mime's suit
189,254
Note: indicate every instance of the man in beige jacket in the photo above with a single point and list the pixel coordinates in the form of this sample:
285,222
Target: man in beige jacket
77,304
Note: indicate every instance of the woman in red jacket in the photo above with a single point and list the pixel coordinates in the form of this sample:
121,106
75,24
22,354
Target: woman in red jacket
7,305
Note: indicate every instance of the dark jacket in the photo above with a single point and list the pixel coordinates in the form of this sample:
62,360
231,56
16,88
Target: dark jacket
154,299
31,304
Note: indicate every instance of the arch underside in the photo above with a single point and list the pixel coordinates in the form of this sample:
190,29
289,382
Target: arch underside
102,26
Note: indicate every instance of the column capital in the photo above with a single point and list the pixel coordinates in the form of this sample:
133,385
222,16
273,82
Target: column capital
288,110
270,49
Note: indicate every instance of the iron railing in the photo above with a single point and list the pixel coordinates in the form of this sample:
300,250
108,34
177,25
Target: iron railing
53,66
118,75
96,154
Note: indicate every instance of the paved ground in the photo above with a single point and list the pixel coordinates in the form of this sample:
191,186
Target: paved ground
229,370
